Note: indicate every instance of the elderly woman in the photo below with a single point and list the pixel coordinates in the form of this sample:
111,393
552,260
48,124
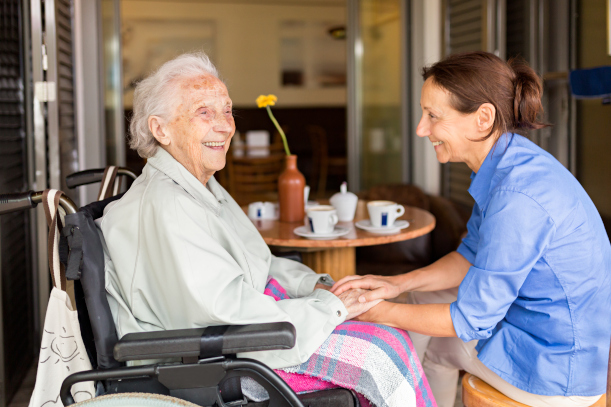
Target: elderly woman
180,251
525,301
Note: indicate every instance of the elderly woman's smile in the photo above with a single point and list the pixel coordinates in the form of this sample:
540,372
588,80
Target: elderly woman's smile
199,132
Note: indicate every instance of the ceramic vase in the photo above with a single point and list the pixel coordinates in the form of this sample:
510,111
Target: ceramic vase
290,191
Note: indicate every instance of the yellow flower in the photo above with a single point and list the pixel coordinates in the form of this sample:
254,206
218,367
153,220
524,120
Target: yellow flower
264,101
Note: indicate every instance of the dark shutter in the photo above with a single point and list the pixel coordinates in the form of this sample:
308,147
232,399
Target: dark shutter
65,93
464,32
15,255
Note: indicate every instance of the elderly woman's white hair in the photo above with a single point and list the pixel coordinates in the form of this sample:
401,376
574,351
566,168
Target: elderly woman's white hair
155,96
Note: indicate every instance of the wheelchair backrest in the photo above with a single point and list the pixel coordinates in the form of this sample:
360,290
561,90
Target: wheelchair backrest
85,265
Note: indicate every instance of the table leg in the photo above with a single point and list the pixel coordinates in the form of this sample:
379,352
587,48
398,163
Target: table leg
338,262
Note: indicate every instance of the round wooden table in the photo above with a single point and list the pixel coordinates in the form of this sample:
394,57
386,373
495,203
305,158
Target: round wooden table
337,257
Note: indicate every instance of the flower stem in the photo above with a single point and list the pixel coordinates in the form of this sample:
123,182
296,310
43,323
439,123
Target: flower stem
271,116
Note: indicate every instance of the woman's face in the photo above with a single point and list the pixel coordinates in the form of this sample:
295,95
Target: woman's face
202,126
450,131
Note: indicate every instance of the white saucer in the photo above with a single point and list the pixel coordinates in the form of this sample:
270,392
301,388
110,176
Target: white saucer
305,232
382,230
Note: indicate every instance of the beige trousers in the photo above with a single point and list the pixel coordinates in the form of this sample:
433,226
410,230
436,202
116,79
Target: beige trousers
443,357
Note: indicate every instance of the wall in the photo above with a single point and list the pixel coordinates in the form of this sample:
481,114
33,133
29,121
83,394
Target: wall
426,21
89,110
594,119
243,39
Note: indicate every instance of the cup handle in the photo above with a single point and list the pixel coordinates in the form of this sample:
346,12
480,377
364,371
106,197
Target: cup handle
333,219
401,210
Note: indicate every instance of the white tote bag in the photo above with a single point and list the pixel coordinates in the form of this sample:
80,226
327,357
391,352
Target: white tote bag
62,351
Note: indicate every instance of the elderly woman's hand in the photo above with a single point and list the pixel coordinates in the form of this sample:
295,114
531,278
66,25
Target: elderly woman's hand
351,301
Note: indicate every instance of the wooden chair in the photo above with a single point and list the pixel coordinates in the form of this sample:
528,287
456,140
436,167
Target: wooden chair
322,163
478,393
254,178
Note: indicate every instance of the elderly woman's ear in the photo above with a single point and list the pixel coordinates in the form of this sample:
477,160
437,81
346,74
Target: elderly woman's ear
158,130
485,117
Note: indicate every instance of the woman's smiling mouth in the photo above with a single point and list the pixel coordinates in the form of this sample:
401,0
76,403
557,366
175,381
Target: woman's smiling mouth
437,143
214,143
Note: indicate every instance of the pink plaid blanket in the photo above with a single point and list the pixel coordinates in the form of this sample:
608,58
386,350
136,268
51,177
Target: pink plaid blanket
378,362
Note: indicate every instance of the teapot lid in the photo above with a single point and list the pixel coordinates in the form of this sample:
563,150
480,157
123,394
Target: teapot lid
343,195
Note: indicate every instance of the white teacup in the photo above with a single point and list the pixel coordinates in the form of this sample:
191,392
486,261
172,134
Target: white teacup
384,213
262,210
321,219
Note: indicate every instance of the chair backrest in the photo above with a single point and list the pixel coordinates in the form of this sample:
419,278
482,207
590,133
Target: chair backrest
254,178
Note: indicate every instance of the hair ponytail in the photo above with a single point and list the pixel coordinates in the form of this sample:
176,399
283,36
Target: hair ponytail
527,105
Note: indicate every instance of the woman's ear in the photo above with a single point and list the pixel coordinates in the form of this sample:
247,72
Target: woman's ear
157,129
486,114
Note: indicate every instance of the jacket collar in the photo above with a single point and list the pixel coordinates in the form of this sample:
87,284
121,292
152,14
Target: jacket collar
212,196
482,180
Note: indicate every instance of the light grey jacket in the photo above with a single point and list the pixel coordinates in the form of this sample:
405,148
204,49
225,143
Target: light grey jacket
182,255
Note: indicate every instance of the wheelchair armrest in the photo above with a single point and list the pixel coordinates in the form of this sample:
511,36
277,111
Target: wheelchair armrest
205,342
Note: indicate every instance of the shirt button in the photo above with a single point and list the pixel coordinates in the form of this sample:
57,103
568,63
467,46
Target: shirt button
339,313
323,278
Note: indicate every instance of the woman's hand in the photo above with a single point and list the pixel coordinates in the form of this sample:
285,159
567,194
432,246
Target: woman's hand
320,286
380,287
355,307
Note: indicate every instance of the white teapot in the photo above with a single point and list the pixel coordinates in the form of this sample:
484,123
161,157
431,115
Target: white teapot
345,203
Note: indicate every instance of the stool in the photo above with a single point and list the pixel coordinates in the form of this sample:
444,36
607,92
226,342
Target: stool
478,393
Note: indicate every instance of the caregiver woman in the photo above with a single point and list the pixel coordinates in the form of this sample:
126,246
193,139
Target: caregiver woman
532,311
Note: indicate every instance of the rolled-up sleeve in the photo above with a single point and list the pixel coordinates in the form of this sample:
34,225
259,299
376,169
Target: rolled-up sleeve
512,236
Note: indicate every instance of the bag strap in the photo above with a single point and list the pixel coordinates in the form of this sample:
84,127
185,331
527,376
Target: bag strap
110,183
50,201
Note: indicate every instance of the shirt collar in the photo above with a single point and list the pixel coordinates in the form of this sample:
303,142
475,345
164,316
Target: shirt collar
212,196
480,181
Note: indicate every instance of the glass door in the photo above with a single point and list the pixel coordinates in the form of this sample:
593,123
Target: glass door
113,83
377,112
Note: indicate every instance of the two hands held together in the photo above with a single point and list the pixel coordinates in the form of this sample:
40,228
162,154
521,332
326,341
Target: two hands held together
361,293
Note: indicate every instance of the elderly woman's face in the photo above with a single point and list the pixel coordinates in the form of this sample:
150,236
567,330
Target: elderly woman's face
450,131
202,126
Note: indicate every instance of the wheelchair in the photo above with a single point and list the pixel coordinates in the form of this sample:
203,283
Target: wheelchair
209,372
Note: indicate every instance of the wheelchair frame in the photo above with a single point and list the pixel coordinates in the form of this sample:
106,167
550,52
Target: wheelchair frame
208,354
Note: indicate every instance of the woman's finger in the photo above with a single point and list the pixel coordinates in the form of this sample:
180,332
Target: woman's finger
361,283
380,293
342,282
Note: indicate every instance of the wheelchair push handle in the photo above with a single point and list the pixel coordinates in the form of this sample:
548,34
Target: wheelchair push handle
21,201
18,201
94,175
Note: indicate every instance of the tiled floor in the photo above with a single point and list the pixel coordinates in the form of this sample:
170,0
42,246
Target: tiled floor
22,397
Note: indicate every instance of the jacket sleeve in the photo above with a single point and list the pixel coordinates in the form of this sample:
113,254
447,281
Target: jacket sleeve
192,281
297,279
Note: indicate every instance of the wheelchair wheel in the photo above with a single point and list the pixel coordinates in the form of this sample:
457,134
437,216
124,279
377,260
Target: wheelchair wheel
135,400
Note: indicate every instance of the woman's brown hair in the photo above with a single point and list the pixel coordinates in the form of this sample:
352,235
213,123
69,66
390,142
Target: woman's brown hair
474,78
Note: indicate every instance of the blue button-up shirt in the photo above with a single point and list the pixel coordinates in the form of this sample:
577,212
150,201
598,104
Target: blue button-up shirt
538,293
